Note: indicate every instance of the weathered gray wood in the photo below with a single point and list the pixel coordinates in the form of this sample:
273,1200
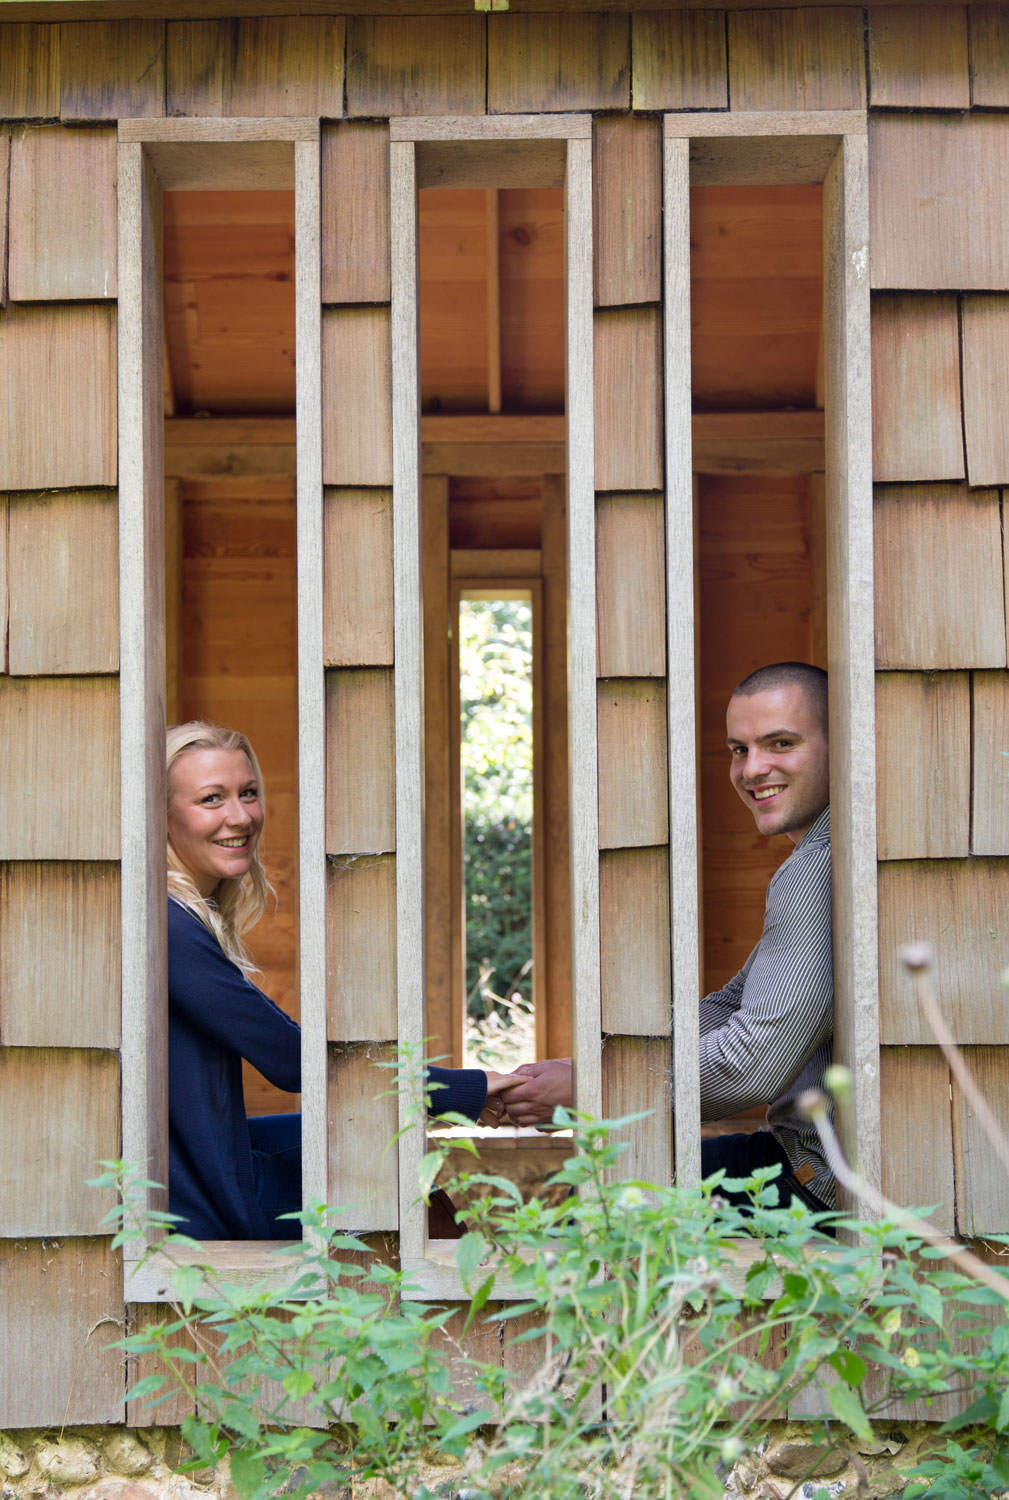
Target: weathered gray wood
361,948
917,1131
63,583
916,422
361,762
363,1187
990,768
358,579
985,338
630,586
982,1185
922,747
633,791
634,941
62,214
637,1076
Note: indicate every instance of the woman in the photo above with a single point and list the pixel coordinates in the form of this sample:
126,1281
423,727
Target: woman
229,1176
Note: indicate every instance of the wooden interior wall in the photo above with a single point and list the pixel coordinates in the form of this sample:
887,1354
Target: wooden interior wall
941,308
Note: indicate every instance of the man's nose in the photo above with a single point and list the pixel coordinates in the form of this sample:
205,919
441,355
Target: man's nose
757,762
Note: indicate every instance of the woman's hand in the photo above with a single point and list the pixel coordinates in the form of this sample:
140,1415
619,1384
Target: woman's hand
493,1110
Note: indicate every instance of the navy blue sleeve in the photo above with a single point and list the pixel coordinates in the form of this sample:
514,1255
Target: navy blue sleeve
214,997
461,1091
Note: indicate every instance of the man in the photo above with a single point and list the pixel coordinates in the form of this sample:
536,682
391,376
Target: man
766,1035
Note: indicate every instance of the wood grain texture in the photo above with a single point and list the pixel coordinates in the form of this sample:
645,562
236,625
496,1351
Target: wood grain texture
918,57
361,948
957,907
939,577
989,767
63,1299
355,211
60,1117
416,65
62,214
57,397
985,336
63,582
362,1113
548,63
626,210
637,1075
917,1131
678,60
922,748
633,810
29,71
142,1316
796,59
988,26
930,174
5,161
3,583
46,724
63,992
267,67
356,396
916,431
360,762
556,1036
110,69
634,941
357,598
630,586
982,1188
628,399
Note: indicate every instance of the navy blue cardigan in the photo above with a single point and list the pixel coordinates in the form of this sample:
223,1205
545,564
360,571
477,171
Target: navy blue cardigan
216,1017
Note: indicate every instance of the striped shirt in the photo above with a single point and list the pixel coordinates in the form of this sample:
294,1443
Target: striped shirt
767,1034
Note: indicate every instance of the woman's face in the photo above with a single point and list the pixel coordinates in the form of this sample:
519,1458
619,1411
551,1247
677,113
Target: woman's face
215,816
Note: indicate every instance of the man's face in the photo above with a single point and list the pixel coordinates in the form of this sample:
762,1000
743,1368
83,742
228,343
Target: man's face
778,764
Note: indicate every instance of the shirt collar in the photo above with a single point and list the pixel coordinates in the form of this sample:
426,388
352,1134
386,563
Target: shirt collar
818,831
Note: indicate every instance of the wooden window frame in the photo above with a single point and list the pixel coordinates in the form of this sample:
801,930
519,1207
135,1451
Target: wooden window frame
224,154
768,147
464,146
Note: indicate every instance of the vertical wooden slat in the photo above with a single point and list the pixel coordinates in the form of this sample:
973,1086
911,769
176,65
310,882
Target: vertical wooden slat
556,831
985,379
796,59
540,63
60,1118
918,57
636,1078
63,583
62,1299
628,405
173,599
62,214
956,906
57,397
361,774
111,70
848,488
989,767
922,747
5,157
142,673
361,948
312,725
982,1186
3,583
416,65
355,212
631,586
684,871
633,795
626,210
917,1131
634,941
363,1183
29,71
678,60
357,413
581,618
63,992
916,432
939,577
46,724
989,50
357,623
142,1316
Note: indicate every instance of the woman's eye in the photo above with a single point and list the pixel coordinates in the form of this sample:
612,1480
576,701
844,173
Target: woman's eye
251,794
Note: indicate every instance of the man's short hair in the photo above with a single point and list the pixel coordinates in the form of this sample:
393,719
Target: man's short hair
812,680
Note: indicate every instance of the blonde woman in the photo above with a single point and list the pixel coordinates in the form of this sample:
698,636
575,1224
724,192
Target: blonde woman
229,1176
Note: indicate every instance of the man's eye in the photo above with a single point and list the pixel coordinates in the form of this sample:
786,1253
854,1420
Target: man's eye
783,744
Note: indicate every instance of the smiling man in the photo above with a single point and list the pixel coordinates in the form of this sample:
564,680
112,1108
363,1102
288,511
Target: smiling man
766,1035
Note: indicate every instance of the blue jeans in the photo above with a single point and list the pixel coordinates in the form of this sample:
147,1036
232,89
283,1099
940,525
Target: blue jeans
741,1154
276,1170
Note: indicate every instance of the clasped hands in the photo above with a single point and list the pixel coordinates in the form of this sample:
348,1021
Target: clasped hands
528,1096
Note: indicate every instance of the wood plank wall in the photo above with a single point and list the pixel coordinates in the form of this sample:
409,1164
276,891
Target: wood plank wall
939,134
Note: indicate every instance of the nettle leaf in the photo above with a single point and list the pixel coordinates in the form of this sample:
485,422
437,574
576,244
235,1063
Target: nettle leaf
846,1406
469,1252
849,1365
247,1473
1002,1418
931,1303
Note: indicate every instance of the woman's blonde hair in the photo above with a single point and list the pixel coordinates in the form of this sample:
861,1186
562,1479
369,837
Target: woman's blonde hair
236,904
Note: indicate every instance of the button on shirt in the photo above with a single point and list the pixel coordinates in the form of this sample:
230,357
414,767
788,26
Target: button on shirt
767,1034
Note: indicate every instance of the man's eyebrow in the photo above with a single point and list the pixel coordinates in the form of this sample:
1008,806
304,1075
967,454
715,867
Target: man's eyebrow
772,734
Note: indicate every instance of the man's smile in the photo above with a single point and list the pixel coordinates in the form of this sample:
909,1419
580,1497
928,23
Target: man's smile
762,793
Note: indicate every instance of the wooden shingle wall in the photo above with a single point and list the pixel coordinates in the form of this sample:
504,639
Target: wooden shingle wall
939,137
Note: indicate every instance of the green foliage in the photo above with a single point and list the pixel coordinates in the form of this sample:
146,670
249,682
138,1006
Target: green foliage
651,1311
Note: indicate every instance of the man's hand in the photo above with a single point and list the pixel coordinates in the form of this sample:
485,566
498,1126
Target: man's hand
493,1110
533,1091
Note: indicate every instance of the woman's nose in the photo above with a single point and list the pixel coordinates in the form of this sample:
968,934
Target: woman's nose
239,815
